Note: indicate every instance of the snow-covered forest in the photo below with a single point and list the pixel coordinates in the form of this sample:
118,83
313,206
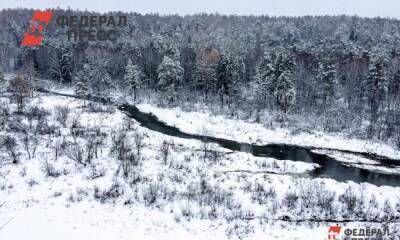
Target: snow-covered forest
324,88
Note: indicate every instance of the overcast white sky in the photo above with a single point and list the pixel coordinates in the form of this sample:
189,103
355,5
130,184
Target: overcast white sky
367,8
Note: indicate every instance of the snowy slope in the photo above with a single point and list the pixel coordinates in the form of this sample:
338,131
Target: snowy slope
97,202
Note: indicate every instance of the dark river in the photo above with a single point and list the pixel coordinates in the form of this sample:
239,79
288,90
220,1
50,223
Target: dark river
330,168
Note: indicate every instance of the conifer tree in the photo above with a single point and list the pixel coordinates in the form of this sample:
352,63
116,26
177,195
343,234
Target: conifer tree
328,81
170,74
265,80
82,81
2,80
376,94
205,78
285,91
376,86
275,78
133,76
1,75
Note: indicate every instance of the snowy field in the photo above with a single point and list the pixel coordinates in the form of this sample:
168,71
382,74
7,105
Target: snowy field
196,190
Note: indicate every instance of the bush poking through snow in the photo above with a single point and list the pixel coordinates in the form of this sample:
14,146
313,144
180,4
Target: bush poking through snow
349,199
75,124
139,143
80,151
34,112
290,200
387,211
50,170
152,192
128,162
261,195
128,157
16,125
209,152
165,150
119,143
30,142
114,192
4,113
10,145
44,128
208,195
240,229
94,142
20,89
100,108
32,182
61,114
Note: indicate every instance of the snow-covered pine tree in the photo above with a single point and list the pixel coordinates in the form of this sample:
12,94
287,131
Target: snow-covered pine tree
205,77
60,60
376,84
205,74
100,82
376,93
30,75
66,64
394,90
392,113
328,81
265,80
275,78
223,77
170,74
237,68
228,75
20,89
133,76
2,81
1,75
82,80
285,91
172,51
188,60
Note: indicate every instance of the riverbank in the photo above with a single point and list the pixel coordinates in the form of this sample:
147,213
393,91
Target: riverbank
205,123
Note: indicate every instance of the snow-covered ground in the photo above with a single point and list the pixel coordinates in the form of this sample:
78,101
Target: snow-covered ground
92,220
359,162
187,195
203,122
